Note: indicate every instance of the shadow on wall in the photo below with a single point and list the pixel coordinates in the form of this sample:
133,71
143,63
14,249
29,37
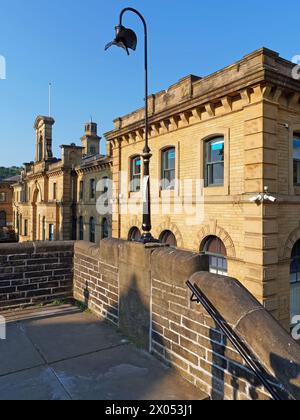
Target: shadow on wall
292,371
199,352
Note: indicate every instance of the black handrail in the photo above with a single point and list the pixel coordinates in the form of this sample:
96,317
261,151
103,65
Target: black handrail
258,370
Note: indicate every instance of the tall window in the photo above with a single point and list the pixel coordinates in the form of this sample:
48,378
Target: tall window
2,219
44,229
81,190
296,145
135,174
2,197
25,227
105,184
214,162
168,169
40,149
215,249
92,189
81,228
51,232
134,234
92,150
54,191
295,281
92,230
105,229
168,238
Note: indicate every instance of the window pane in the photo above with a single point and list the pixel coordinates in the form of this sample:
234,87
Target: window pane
297,147
297,172
169,159
215,162
217,151
218,174
137,166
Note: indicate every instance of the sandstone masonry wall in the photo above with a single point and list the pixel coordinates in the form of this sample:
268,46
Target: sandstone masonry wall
35,273
143,291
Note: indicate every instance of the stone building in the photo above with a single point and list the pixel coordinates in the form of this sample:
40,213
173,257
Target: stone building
93,182
45,199
6,211
238,130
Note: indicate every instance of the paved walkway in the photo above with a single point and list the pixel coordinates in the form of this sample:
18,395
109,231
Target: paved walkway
60,353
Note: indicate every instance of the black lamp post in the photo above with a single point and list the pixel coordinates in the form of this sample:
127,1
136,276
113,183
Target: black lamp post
127,39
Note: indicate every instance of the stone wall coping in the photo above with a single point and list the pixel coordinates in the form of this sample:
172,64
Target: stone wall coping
107,250
175,265
35,247
87,248
269,342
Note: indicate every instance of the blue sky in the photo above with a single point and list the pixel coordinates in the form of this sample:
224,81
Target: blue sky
62,41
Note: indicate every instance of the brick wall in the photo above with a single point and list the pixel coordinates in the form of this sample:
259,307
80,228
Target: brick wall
96,282
35,273
143,291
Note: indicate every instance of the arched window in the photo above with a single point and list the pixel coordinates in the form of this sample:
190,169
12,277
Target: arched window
215,249
134,234
92,189
296,146
168,168
81,229
105,229
44,229
105,183
2,219
92,230
295,281
40,149
214,162
168,238
135,174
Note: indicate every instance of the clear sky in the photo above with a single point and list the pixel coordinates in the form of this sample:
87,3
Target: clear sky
62,41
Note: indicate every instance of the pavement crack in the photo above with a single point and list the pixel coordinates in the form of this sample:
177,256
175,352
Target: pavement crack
88,354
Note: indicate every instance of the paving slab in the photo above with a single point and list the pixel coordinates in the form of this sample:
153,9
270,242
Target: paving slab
17,352
39,384
123,373
70,335
67,354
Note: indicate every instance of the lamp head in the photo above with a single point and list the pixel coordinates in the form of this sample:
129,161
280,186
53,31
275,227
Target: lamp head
125,38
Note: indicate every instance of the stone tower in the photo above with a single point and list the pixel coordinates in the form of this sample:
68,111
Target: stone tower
90,140
43,128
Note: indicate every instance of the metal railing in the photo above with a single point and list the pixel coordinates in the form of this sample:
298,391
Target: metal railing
257,369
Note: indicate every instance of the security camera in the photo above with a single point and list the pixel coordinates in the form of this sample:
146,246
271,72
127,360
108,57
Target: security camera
285,125
263,197
256,199
270,198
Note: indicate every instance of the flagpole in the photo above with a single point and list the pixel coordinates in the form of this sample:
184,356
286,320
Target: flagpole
50,86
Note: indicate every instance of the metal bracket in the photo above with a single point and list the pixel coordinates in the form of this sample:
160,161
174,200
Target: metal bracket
195,299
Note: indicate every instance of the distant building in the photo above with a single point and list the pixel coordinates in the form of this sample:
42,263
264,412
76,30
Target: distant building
45,198
6,210
93,181
238,130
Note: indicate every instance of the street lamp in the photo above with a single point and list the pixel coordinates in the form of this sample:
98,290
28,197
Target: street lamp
127,39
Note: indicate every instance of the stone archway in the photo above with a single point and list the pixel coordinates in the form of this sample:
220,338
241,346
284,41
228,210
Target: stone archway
133,222
167,225
287,250
214,230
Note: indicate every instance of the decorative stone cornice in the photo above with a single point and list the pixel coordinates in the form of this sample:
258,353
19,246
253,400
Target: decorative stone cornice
262,75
